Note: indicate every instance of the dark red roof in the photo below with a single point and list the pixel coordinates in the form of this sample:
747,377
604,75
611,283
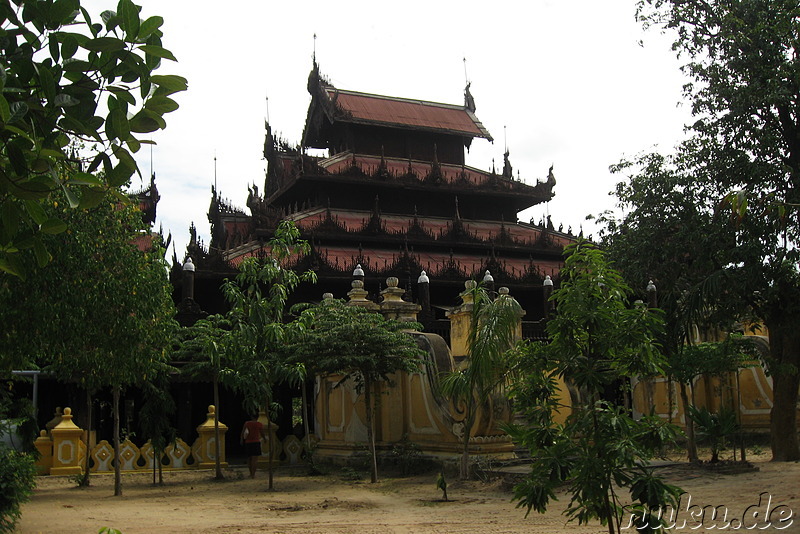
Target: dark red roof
396,166
354,221
434,263
368,108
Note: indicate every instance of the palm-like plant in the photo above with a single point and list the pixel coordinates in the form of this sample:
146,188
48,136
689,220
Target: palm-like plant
714,426
487,367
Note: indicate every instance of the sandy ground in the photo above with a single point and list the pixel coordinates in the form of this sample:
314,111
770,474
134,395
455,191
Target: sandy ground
191,501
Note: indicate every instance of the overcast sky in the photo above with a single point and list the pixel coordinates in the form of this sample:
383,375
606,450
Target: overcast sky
575,83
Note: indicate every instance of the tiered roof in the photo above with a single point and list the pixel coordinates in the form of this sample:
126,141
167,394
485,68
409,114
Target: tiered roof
415,207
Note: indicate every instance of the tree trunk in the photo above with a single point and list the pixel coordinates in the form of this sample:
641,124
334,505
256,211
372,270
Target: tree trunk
160,469
370,433
691,442
217,465
784,366
463,468
85,477
117,462
306,427
783,417
270,446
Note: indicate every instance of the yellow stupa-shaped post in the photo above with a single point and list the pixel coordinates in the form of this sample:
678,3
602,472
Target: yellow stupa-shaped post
44,445
68,449
204,448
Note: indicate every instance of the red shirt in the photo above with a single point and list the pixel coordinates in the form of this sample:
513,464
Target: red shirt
254,429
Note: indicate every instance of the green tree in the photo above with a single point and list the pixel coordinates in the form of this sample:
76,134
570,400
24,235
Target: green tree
101,315
17,482
745,151
258,299
487,366
155,419
206,347
70,82
361,346
596,339
672,234
709,358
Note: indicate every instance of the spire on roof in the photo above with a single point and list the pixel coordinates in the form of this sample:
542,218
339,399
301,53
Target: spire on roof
507,171
469,100
551,179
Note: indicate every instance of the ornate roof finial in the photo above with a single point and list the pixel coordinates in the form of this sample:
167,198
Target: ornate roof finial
507,171
551,179
469,101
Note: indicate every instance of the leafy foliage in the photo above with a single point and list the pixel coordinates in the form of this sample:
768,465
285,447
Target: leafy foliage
17,482
101,314
487,367
205,347
258,298
361,346
155,419
596,339
745,159
714,426
69,81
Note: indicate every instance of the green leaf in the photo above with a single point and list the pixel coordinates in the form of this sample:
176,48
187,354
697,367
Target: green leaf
124,157
53,226
19,132
63,100
34,189
43,257
149,26
121,125
46,80
10,216
133,144
84,178
144,123
52,44
109,19
161,105
122,94
76,65
17,157
92,197
12,265
157,51
120,175
18,111
52,153
71,198
5,111
169,83
69,46
129,15
40,165
36,211
104,44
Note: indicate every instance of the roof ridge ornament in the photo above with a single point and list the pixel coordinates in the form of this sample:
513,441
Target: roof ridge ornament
469,100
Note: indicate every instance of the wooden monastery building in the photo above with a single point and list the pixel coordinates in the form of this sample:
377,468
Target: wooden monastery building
392,197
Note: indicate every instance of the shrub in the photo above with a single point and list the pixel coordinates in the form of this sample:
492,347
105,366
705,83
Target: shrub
17,472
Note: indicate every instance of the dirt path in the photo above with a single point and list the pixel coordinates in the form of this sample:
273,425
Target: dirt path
193,502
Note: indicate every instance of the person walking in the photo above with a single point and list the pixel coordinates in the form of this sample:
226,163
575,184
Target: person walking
252,434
